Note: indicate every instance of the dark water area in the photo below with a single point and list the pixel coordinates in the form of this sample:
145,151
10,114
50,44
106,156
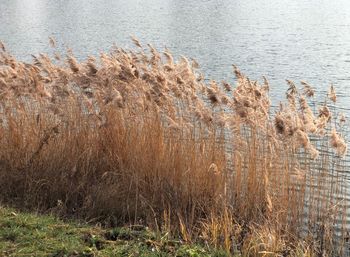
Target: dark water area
298,40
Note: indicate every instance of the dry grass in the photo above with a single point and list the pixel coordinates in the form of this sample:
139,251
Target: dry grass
138,137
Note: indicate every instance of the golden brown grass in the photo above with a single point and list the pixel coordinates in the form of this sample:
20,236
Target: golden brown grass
138,137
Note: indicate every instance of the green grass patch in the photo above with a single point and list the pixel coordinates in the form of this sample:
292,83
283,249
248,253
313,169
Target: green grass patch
27,234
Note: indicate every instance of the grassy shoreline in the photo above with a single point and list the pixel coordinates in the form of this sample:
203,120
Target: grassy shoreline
28,234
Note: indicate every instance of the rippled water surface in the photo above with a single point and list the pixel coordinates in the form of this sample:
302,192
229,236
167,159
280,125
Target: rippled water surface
299,40
282,39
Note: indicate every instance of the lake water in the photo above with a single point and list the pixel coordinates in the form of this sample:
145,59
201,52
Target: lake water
299,40
282,39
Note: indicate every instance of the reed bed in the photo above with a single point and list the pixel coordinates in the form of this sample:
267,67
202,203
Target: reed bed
137,137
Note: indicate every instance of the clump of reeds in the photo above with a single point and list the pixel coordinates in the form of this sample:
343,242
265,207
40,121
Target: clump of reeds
138,137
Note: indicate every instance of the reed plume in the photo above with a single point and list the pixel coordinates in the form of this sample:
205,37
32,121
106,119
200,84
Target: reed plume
141,137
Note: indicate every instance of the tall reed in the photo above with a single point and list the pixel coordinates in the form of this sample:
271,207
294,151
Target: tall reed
139,137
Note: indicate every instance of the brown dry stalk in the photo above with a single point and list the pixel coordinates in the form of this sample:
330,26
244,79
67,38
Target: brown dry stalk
142,138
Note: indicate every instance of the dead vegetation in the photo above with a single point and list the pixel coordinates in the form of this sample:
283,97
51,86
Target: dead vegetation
139,137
